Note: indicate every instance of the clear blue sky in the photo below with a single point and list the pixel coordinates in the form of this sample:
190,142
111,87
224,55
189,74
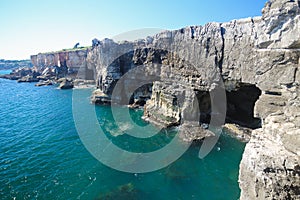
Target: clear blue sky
32,26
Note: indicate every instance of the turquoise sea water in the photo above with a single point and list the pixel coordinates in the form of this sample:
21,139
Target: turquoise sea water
7,71
42,156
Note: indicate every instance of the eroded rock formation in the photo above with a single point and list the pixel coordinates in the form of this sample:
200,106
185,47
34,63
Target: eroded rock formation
257,59
66,62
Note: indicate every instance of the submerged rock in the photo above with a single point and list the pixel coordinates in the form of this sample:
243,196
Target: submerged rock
126,191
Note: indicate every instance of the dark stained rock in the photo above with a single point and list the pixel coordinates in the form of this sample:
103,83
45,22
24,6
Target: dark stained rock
66,84
95,42
76,45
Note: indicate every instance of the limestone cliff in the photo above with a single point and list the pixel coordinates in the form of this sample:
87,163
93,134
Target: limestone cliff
67,61
258,59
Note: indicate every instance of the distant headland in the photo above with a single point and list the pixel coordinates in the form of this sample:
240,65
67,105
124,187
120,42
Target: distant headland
13,64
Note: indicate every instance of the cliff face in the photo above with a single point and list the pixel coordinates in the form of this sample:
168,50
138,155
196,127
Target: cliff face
70,60
258,61
270,167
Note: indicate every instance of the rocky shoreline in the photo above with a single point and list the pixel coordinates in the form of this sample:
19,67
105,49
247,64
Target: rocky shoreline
257,60
48,76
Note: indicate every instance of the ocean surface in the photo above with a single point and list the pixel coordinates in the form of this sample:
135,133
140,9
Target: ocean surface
42,156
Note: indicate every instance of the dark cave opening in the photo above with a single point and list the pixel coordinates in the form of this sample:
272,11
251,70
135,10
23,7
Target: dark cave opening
240,106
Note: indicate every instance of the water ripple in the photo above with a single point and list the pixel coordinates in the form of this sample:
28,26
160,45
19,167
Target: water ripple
42,156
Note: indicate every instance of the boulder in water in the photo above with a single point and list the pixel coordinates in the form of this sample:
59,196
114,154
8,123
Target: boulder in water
66,84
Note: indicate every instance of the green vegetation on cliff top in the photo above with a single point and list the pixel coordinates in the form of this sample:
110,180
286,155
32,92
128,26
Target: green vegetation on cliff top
67,50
